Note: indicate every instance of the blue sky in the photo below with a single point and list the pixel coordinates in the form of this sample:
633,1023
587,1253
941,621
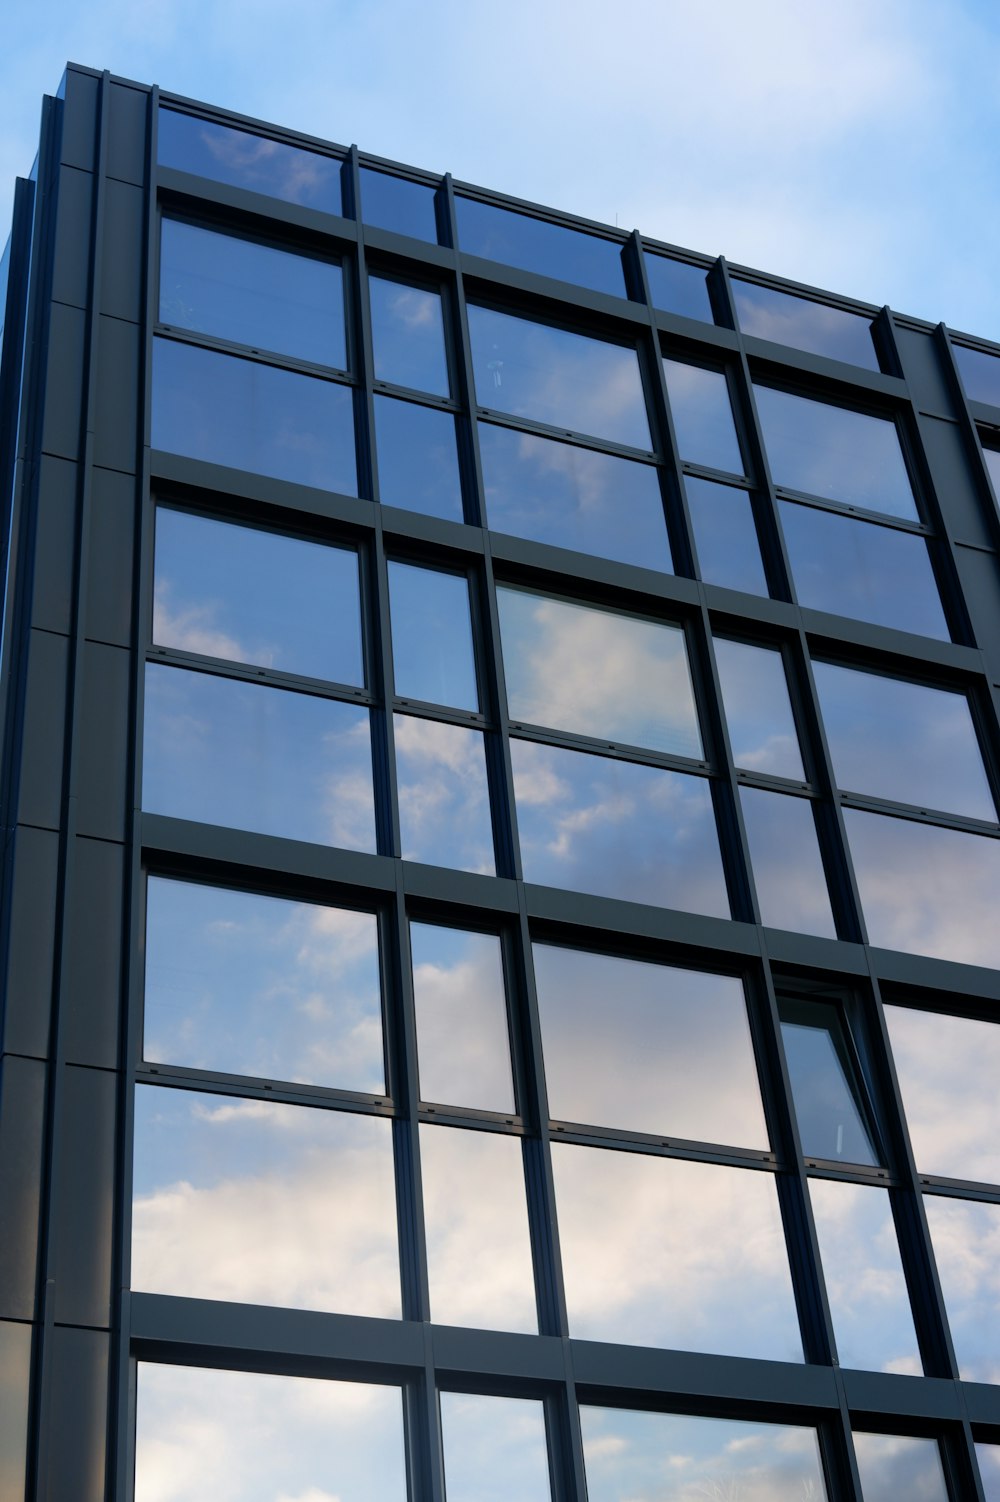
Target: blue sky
850,145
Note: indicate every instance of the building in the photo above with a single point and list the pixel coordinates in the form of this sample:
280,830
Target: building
655,821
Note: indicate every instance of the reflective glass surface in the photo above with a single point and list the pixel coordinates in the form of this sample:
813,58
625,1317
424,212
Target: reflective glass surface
257,597
397,204
573,497
831,451
725,535
677,287
992,457
537,245
432,656
476,1218
903,741
246,161
948,1068
222,751
862,570
674,1457
256,1202
554,376
892,1466
665,1252
617,829
417,459
246,984
758,710
461,1009
801,324
787,867
251,416
826,1087
408,336
255,1437
989,1469
494,1448
15,1387
647,1048
703,416
444,796
926,889
872,1320
251,293
597,672
980,374
965,1235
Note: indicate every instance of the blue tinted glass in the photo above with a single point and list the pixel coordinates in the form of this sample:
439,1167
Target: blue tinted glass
408,336
253,417
703,416
829,451
551,375
246,161
244,755
397,204
965,1234
618,829
444,795
725,535
992,457
787,869
801,324
862,570
829,1107
892,1466
989,1469
573,497
980,374
252,294
254,596
417,459
432,656
494,1448
461,1012
758,710
677,287
536,245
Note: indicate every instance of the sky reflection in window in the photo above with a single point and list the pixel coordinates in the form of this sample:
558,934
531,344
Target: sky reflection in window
965,1235
494,1448
444,796
417,458
461,1009
408,336
898,1465
702,413
792,891
948,1068
758,709
225,155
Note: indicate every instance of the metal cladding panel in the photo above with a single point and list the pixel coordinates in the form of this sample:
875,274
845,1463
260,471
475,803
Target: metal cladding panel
91,1001
33,875
22,1115
83,1195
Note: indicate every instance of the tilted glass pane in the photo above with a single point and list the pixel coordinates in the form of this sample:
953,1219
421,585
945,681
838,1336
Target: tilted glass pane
537,245
461,1010
554,376
965,1235
417,459
15,1391
787,866
758,709
408,336
617,829
247,984
800,323
892,1466
665,1252
257,597
256,1202
254,1437
647,1048
225,155
432,654
948,1068
396,203
444,795
677,287
826,1087
222,751
597,672
992,457
989,1470
725,536
980,374
494,1448
703,416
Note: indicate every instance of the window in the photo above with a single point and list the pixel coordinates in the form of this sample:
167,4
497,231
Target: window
678,287
702,412
408,335
461,1010
272,168
980,372
398,204
494,1447
538,245
801,323
725,535
432,649
417,458
897,1465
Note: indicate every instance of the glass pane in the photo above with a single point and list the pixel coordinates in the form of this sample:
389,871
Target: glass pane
432,656
597,672
677,287
617,829
966,1239
254,1437
862,570
536,245
846,456
925,889
408,335
461,1008
703,416
251,293
758,710
903,741
444,795
221,751
725,535
573,497
896,1465
246,161
418,459
768,314
825,1084
476,1218
787,867
980,374
257,597
989,1469
872,1320
948,1069
551,375
246,984
15,1382
665,1252
397,204
992,457
253,417
673,1457
255,1202
494,1449
647,1048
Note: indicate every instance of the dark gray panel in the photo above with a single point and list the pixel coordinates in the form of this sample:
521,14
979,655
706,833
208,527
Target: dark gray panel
887,1392
72,251
40,793
922,366
83,1192
606,1367
102,748
31,950
79,133
64,376
127,133
961,500
116,403
52,599
89,1006
122,250
73,1441
979,576
22,1111
108,607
